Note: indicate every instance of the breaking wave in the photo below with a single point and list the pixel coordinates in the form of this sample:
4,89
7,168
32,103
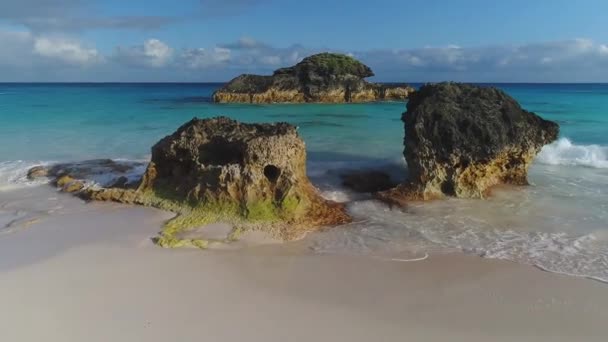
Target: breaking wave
564,152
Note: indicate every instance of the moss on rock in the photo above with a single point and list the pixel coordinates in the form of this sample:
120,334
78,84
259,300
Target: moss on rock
322,78
252,176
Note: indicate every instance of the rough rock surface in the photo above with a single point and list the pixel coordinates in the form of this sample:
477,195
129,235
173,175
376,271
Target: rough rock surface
461,140
250,175
261,168
325,78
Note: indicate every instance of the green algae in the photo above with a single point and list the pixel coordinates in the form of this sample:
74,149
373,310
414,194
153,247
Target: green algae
236,233
194,214
262,211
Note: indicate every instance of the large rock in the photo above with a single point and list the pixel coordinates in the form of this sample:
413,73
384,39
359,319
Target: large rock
461,140
325,77
257,169
252,176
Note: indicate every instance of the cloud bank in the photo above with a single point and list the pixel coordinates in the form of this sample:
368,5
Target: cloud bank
78,15
31,56
71,15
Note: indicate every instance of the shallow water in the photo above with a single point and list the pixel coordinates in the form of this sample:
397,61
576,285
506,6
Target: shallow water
558,224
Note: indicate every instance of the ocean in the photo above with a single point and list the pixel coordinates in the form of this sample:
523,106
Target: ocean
559,224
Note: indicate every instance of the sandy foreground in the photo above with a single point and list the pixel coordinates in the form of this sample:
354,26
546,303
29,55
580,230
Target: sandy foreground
71,271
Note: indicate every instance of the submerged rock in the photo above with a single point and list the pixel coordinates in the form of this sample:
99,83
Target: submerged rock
367,181
37,172
103,172
69,184
252,176
325,77
461,140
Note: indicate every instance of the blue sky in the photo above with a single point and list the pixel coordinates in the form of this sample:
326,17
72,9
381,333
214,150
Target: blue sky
214,40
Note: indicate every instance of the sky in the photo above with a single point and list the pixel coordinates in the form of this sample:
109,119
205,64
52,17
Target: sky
215,40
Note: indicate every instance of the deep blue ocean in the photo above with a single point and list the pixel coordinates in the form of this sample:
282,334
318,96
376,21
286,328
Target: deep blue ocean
559,224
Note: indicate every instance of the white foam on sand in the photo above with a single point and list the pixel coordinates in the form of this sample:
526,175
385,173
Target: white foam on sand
558,224
540,225
13,174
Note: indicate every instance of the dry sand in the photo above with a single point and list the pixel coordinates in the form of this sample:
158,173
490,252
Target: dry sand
89,272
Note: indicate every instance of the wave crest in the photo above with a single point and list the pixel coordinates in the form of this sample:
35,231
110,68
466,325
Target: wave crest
564,152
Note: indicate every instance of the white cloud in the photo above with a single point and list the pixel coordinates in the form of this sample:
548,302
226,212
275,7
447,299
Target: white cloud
577,54
205,58
157,52
26,50
66,50
152,53
28,53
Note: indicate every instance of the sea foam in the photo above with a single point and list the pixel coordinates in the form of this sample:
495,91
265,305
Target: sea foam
449,226
564,152
13,174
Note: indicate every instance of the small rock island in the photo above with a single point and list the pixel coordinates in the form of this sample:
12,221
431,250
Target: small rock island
461,140
320,78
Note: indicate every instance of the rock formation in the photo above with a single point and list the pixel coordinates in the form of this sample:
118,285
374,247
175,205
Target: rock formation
252,176
73,177
325,78
461,140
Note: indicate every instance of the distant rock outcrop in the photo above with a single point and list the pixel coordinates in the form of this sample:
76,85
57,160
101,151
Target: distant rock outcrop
460,140
252,176
324,78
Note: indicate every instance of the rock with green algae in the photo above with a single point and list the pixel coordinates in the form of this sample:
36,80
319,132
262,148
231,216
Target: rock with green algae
252,176
324,78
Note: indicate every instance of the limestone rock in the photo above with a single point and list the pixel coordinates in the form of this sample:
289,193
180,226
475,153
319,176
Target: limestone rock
69,184
257,169
252,176
37,172
461,140
325,77
73,177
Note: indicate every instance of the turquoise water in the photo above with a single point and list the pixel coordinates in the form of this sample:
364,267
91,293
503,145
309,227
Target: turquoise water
72,122
558,224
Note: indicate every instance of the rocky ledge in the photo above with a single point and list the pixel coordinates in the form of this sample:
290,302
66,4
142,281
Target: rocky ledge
252,176
461,140
321,78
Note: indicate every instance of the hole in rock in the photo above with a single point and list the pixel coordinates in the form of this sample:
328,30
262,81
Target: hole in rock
272,173
447,188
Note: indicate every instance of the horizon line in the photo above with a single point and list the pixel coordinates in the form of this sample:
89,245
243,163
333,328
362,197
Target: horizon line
223,82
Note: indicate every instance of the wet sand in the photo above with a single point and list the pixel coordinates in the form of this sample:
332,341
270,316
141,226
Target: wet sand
71,271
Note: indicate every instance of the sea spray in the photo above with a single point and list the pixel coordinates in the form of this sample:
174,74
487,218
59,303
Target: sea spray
564,152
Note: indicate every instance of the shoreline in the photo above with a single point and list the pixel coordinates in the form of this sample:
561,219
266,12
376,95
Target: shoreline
90,272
